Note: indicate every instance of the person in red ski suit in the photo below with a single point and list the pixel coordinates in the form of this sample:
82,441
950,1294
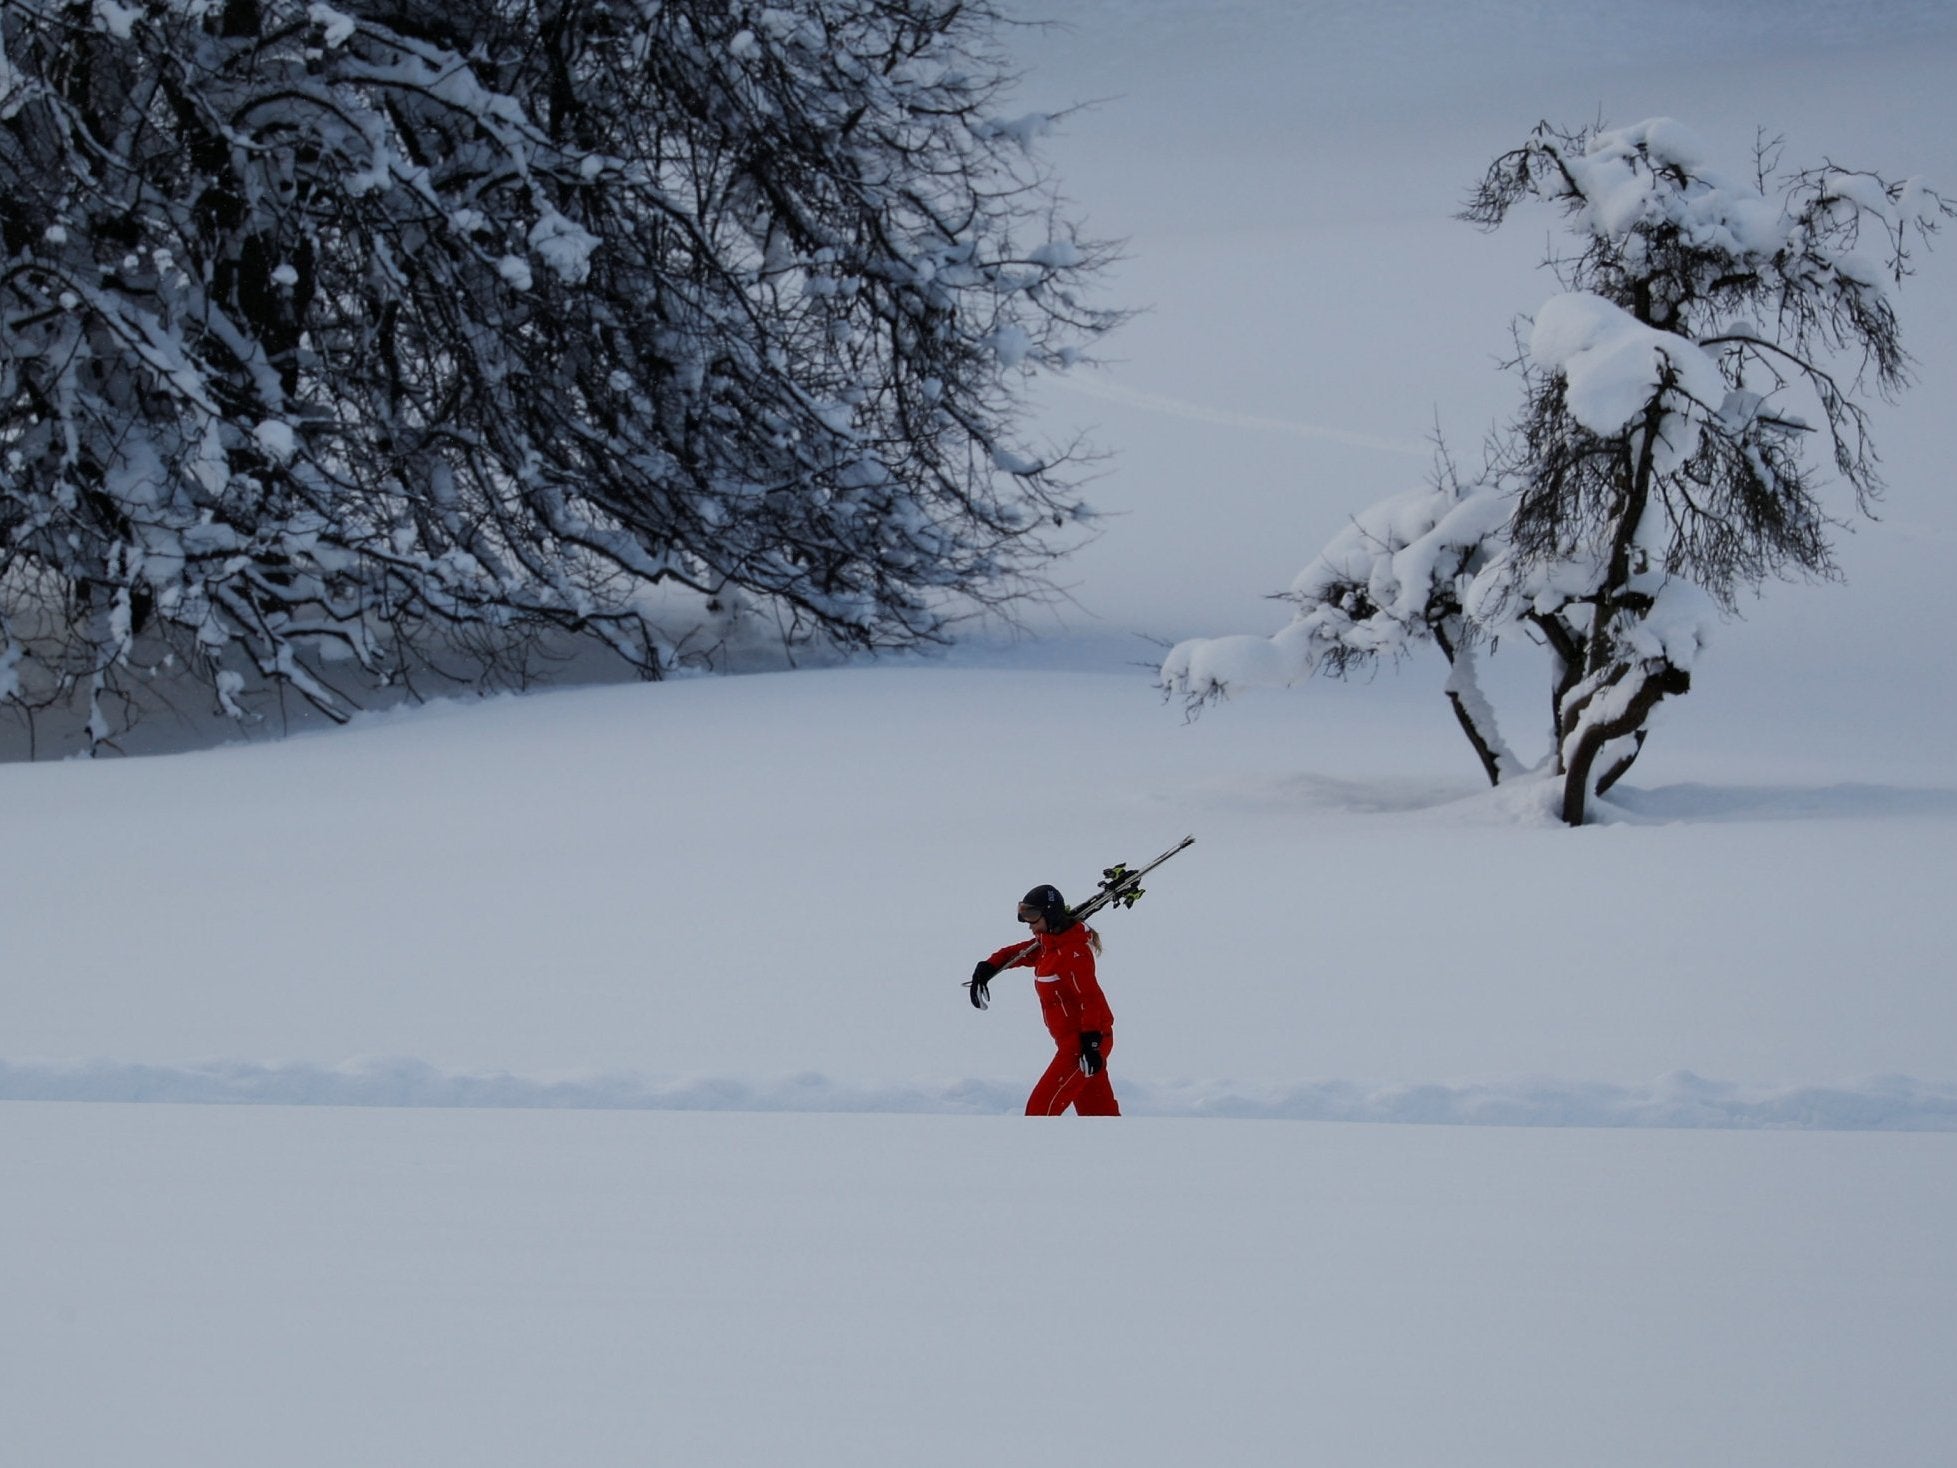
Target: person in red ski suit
1071,1002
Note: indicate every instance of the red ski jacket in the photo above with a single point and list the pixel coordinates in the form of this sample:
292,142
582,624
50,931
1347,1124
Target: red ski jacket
1063,974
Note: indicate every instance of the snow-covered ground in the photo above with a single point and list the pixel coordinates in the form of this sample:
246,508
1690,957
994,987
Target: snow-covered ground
556,968
749,881
487,967
315,1288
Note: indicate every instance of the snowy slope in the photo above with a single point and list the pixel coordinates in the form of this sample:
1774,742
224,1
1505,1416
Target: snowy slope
315,1288
753,880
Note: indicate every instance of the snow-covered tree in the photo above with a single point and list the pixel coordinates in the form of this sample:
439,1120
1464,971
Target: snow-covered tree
1710,328
341,336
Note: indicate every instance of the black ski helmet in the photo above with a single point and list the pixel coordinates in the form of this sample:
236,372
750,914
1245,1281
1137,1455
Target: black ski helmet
1050,905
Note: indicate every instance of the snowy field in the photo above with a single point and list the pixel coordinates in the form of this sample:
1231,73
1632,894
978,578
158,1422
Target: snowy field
314,1288
603,1090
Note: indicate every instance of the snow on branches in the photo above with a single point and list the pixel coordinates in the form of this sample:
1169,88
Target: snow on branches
1707,329
337,337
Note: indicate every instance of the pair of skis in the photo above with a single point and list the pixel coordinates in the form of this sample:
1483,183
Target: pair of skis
1121,886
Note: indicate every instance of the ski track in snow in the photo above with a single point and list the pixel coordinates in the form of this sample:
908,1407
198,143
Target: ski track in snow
1676,1100
1226,418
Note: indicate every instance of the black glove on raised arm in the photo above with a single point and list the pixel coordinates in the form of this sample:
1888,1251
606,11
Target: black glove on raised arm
982,975
1091,1061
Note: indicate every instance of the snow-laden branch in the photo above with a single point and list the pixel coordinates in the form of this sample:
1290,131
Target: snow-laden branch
516,311
1379,588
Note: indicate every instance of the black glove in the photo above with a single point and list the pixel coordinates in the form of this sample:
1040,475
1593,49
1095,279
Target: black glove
1091,1063
981,977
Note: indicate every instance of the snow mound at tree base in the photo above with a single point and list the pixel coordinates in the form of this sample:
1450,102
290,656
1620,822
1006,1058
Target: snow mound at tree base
1679,1099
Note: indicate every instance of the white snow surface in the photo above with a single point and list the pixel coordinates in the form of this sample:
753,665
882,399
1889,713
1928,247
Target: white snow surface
758,878
1681,1099
586,1077
629,1108
312,1288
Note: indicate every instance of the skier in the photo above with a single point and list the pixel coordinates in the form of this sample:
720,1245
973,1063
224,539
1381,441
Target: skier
1071,1002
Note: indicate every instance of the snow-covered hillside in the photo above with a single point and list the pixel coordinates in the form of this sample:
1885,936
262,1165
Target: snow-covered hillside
482,967
754,880
758,895
315,1288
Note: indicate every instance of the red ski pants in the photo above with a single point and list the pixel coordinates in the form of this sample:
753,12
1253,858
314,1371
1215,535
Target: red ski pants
1063,1085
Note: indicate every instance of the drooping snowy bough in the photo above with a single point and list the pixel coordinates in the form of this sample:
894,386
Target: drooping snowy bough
341,338
1708,333
1398,576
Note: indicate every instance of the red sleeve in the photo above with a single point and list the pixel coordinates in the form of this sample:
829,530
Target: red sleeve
1003,958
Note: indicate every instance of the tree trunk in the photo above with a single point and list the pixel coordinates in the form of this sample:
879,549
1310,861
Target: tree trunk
1566,648
1491,764
1471,709
1577,791
1622,764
